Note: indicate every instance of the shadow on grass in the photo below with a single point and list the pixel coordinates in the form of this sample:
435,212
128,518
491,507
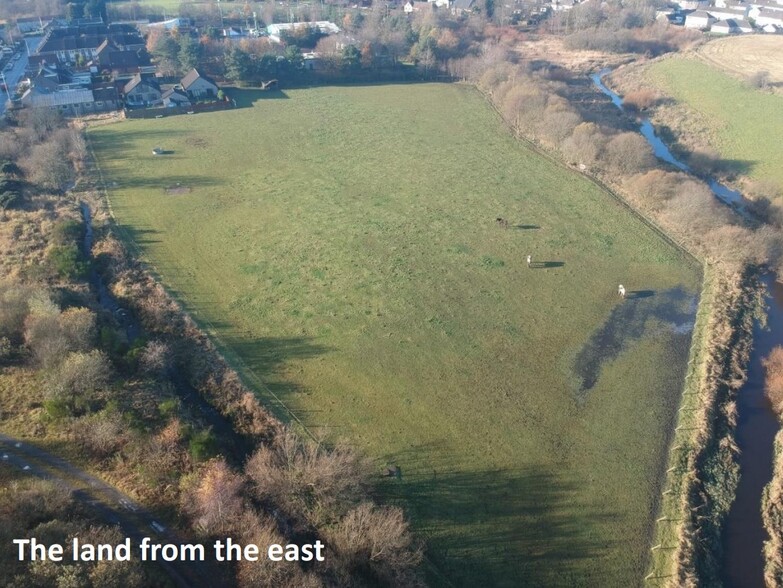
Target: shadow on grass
545,264
628,322
247,97
501,528
526,227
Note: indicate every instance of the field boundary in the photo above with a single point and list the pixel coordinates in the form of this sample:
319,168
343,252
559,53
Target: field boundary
235,362
666,529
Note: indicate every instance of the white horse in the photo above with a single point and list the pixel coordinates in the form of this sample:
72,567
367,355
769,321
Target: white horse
621,291
529,260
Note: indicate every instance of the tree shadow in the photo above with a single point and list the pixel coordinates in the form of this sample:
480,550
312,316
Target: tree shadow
524,527
247,97
628,322
546,264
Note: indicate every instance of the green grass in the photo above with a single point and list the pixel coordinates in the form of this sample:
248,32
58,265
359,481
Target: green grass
342,244
744,124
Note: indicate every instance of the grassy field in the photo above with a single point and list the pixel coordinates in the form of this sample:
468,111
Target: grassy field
342,244
739,122
746,55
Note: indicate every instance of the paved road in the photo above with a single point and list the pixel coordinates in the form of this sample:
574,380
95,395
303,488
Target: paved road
13,76
106,502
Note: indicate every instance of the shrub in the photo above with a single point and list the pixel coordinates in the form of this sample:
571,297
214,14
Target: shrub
773,383
629,153
66,232
641,99
202,445
79,376
66,262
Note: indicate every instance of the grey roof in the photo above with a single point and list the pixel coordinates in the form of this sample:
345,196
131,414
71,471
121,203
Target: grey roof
64,98
175,94
192,76
700,14
137,80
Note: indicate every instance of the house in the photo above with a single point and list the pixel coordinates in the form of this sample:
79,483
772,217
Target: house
142,91
109,57
415,6
462,6
171,24
758,5
730,12
106,97
198,86
70,43
33,26
692,4
175,97
731,26
766,17
66,102
563,5
324,26
699,19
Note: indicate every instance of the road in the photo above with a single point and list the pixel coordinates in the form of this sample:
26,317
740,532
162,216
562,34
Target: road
13,77
106,502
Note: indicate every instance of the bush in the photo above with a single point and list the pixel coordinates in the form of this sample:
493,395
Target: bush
78,377
773,383
202,445
629,153
66,232
66,262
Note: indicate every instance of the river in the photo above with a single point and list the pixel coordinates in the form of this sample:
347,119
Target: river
757,425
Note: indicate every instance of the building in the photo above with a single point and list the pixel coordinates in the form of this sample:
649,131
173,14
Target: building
731,26
175,97
416,6
462,6
699,19
325,27
198,86
68,44
33,26
692,4
142,91
730,12
766,17
76,102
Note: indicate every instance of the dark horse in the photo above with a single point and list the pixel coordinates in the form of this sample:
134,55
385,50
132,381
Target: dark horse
502,222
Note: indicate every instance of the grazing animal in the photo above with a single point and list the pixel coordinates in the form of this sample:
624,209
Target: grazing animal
529,260
621,291
502,222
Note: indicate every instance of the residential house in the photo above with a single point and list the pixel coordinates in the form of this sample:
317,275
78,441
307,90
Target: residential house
142,91
199,87
699,19
33,26
416,6
730,12
68,44
175,97
462,6
731,26
563,5
106,97
766,17
692,4
111,58
75,102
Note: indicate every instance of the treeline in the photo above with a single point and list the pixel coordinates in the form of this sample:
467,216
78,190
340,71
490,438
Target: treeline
139,393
